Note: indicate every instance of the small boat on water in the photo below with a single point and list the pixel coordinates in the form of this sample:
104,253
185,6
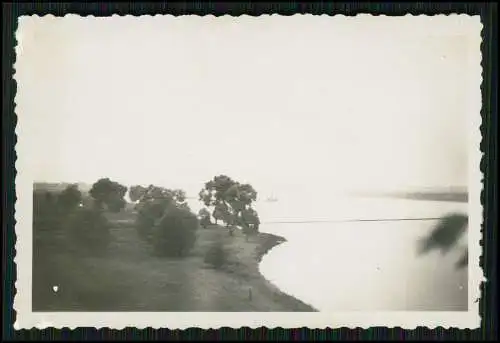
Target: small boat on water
272,199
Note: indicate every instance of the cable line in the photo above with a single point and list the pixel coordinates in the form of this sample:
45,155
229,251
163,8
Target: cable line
342,221
348,221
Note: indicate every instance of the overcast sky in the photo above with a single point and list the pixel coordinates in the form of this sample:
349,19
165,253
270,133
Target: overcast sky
272,101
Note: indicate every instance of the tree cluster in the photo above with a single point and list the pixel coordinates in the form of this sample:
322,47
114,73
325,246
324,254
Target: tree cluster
164,219
108,194
231,202
70,221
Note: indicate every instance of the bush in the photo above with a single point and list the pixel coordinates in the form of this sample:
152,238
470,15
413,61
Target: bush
144,225
45,211
216,256
175,234
148,214
204,216
48,228
89,230
69,198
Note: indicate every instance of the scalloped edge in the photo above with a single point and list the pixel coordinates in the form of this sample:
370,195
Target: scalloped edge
433,320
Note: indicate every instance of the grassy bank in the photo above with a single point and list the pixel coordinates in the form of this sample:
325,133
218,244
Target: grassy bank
129,278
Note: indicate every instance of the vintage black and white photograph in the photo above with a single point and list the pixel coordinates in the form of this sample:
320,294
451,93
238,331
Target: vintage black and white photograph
189,171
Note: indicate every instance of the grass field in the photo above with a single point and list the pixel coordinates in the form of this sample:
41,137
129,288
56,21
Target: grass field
128,277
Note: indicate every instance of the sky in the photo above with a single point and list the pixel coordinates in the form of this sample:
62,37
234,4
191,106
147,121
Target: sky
277,102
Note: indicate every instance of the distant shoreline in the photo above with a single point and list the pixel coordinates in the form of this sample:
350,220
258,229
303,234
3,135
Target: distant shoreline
444,196
435,196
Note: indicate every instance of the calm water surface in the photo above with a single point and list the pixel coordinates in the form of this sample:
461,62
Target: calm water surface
352,266
363,265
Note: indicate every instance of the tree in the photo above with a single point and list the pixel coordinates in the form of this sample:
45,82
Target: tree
217,255
184,206
44,204
175,233
204,216
247,194
136,193
88,230
215,190
108,193
117,205
221,212
161,195
46,215
179,196
70,198
152,205
228,200
149,211
250,221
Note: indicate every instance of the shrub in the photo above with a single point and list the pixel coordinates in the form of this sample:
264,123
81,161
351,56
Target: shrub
45,211
204,216
144,226
89,230
148,214
216,255
48,228
69,198
175,233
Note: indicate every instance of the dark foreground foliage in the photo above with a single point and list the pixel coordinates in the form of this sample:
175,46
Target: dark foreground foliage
446,235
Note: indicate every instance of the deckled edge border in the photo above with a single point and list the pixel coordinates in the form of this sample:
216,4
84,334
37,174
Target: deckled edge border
210,15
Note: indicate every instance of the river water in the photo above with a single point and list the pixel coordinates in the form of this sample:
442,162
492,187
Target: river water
367,265
336,265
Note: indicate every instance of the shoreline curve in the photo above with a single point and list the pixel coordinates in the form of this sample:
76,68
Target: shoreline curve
267,242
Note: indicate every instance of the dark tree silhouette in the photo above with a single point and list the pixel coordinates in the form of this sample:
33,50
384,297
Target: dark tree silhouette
250,221
137,192
175,233
204,217
153,202
89,230
45,206
70,198
108,193
231,203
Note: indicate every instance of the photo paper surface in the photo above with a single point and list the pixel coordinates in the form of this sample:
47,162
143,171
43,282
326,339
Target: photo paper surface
176,172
